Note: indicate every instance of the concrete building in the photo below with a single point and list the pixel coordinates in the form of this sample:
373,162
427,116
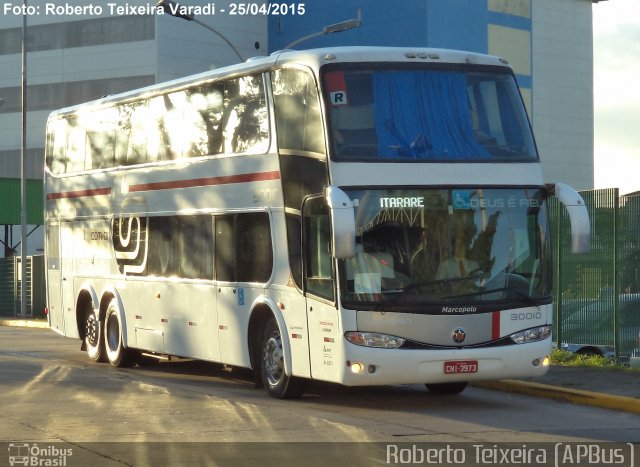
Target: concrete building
75,56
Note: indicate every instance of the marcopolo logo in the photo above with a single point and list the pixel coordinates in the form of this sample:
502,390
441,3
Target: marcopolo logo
41,456
459,309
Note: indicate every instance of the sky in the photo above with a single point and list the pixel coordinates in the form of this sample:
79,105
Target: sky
616,50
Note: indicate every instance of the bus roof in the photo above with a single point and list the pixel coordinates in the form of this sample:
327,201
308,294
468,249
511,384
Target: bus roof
314,58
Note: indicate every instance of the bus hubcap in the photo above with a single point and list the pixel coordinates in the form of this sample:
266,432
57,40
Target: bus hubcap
113,334
273,360
92,330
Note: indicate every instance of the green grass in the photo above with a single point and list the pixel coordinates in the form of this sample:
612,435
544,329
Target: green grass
564,358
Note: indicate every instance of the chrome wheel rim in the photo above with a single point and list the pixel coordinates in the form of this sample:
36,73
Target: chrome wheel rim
273,360
113,333
91,330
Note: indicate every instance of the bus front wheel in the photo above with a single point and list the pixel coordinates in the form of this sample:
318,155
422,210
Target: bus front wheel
117,354
274,377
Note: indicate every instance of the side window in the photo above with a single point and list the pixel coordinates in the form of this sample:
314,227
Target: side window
138,119
76,146
222,117
254,251
297,109
225,248
101,136
243,248
163,259
192,121
123,131
245,126
181,246
57,145
156,134
294,243
196,247
318,264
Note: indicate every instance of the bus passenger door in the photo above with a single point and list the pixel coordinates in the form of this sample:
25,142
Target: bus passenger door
319,288
67,265
60,264
54,277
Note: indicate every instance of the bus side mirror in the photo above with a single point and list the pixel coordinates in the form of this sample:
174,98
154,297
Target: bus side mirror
343,223
578,216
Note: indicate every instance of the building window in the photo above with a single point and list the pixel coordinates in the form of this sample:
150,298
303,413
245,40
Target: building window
68,34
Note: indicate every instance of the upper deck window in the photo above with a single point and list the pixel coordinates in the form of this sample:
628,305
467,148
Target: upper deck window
427,114
222,117
297,109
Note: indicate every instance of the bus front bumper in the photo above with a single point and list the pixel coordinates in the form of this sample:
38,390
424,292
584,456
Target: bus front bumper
364,366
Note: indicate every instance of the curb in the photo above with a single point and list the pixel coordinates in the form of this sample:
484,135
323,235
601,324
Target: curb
24,323
576,396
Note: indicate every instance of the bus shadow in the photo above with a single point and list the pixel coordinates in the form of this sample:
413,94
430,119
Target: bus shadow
196,370
396,397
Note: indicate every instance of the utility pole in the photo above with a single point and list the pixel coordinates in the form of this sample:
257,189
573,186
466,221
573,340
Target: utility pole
23,181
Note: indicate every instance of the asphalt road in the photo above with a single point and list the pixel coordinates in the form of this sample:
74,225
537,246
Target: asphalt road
52,395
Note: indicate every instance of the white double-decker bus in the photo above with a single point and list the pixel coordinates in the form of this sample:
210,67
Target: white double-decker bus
361,215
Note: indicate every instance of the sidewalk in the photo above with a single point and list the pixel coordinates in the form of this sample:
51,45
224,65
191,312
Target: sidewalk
616,389
25,323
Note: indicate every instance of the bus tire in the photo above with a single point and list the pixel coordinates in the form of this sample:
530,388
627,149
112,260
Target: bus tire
94,336
277,383
446,388
117,354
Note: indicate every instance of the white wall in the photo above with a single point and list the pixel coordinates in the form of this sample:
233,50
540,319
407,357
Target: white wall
185,48
563,89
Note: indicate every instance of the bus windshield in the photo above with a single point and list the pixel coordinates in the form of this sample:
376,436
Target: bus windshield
448,247
426,114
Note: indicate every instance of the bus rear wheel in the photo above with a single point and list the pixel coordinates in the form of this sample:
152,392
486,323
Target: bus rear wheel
117,354
276,381
446,388
94,337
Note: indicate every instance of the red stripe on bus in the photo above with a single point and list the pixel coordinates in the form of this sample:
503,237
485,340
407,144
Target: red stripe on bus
80,193
196,182
495,325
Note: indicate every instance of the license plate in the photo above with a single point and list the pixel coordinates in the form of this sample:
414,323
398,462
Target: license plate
461,366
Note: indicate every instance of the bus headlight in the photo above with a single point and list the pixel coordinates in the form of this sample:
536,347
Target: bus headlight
374,339
531,335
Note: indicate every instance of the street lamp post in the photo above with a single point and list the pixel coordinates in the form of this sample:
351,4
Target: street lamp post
6,227
332,28
23,181
172,8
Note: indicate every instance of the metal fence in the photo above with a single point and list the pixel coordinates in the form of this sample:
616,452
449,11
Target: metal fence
11,283
597,294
